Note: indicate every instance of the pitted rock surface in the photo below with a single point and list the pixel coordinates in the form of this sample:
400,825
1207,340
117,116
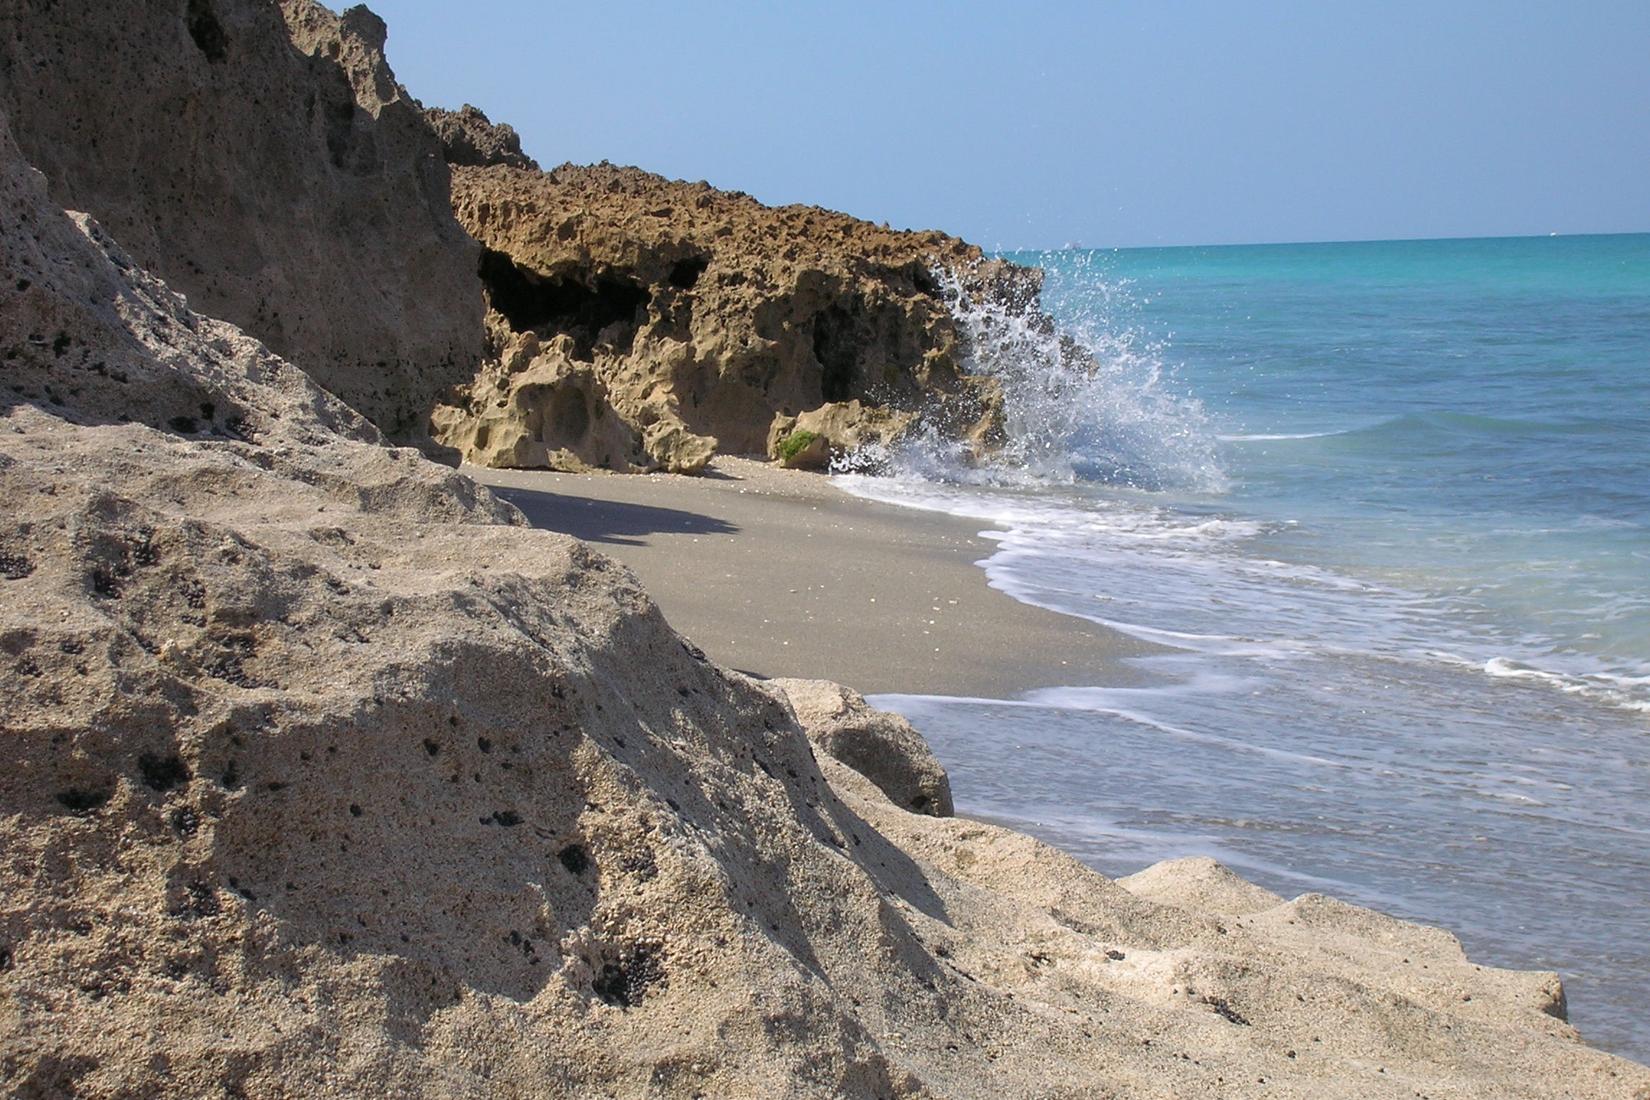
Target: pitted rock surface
703,317
470,138
261,158
878,744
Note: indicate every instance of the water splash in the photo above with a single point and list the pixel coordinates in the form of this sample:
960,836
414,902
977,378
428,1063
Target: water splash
1089,400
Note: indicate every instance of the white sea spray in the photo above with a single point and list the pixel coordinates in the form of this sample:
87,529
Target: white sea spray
1087,402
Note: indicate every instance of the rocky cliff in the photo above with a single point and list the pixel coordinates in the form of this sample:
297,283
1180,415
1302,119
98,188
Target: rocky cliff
470,138
639,322
262,159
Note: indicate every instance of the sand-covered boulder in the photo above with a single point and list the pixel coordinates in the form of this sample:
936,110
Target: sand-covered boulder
878,744
328,777
262,159
470,138
713,314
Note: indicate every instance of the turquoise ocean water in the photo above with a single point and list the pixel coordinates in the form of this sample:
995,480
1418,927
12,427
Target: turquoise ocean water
1386,509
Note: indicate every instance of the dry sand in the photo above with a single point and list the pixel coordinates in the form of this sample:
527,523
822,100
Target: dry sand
778,573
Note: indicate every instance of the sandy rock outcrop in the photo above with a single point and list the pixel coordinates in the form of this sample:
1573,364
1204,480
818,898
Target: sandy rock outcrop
470,138
541,410
880,745
1201,885
837,430
707,314
327,777
262,159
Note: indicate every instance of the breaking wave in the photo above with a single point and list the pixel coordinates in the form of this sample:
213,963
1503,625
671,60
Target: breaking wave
1087,401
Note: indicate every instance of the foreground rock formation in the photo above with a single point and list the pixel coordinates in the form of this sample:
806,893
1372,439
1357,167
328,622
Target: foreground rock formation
639,322
326,777
262,159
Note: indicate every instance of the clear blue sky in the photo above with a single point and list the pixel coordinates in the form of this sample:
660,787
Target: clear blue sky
1124,123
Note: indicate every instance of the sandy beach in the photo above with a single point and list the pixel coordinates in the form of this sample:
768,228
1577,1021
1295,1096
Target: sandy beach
778,573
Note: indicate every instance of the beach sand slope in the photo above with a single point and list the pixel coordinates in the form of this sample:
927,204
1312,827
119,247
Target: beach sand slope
777,573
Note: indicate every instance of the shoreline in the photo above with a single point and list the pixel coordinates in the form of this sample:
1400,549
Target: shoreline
779,573
776,572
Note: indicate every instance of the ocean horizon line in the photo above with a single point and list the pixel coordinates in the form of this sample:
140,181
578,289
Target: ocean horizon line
1080,247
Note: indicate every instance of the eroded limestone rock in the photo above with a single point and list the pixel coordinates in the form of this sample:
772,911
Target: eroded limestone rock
708,312
542,408
470,138
878,744
262,159
836,430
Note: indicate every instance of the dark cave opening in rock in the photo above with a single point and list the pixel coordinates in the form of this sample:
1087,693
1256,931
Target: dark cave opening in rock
684,273
207,32
834,348
531,302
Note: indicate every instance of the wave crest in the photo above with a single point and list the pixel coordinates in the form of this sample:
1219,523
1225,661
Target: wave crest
1082,401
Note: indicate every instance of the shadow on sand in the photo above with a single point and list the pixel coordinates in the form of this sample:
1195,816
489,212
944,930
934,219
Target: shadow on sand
609,521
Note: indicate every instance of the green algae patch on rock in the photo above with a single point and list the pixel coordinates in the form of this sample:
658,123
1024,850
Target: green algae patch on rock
803,450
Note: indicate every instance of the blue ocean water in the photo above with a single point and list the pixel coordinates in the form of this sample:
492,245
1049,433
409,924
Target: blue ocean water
1386,509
